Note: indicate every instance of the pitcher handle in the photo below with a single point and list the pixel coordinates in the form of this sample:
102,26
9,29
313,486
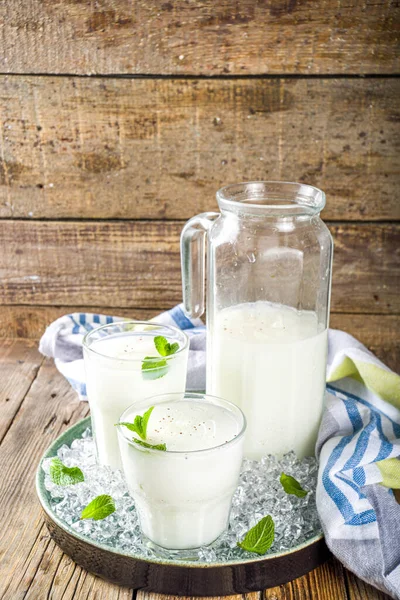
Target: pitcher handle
193,252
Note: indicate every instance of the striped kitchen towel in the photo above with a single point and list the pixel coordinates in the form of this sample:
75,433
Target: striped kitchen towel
62,341
359,453
358,444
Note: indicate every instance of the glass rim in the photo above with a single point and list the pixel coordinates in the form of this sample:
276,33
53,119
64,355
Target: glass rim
154,324
315,198
189,395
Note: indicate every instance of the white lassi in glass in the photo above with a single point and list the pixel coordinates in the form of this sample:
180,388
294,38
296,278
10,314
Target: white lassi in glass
270,360
115,378
183,494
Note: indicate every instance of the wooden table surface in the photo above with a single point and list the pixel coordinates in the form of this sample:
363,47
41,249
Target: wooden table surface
37,404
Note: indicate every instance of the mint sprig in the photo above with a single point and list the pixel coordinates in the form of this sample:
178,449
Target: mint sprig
99,508
163,347
151,446
292,486
152,366
139,424
260,537
62,475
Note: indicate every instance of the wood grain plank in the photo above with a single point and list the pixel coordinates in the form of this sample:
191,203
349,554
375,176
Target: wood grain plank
137,265
30,322
155,149
19,364
20,451
327,582
56,575
365,277
380,333
31,565
47,36
359,590
324,583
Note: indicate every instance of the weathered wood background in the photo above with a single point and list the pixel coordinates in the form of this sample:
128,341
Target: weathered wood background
120,119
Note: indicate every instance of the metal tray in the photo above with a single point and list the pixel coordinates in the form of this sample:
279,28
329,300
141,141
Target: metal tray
168,576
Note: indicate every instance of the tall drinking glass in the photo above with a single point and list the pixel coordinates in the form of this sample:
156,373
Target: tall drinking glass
123,366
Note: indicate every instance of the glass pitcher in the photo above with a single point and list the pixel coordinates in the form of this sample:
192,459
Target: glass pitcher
268,294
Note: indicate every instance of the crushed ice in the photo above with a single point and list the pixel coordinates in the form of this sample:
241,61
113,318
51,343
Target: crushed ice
259,493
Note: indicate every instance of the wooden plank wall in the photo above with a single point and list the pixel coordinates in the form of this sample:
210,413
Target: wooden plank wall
120,119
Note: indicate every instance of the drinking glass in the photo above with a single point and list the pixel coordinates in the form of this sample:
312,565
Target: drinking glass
115,356
183,498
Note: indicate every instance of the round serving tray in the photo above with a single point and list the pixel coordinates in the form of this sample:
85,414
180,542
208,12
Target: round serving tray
168,576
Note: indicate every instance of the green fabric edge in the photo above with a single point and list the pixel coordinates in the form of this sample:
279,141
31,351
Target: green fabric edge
390,471
385,384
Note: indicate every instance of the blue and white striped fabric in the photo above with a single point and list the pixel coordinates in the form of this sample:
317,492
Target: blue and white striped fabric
62,341
359,448
358,444
368,434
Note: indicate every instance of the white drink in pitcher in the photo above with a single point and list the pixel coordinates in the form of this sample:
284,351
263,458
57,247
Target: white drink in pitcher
123,366
267,251
183,475
270,360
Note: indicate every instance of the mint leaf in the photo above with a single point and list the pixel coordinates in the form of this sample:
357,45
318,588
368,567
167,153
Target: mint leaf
99,508
292,486
153,447
145,420
62,475
260,537
139,425
161,343
163,347
154,367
